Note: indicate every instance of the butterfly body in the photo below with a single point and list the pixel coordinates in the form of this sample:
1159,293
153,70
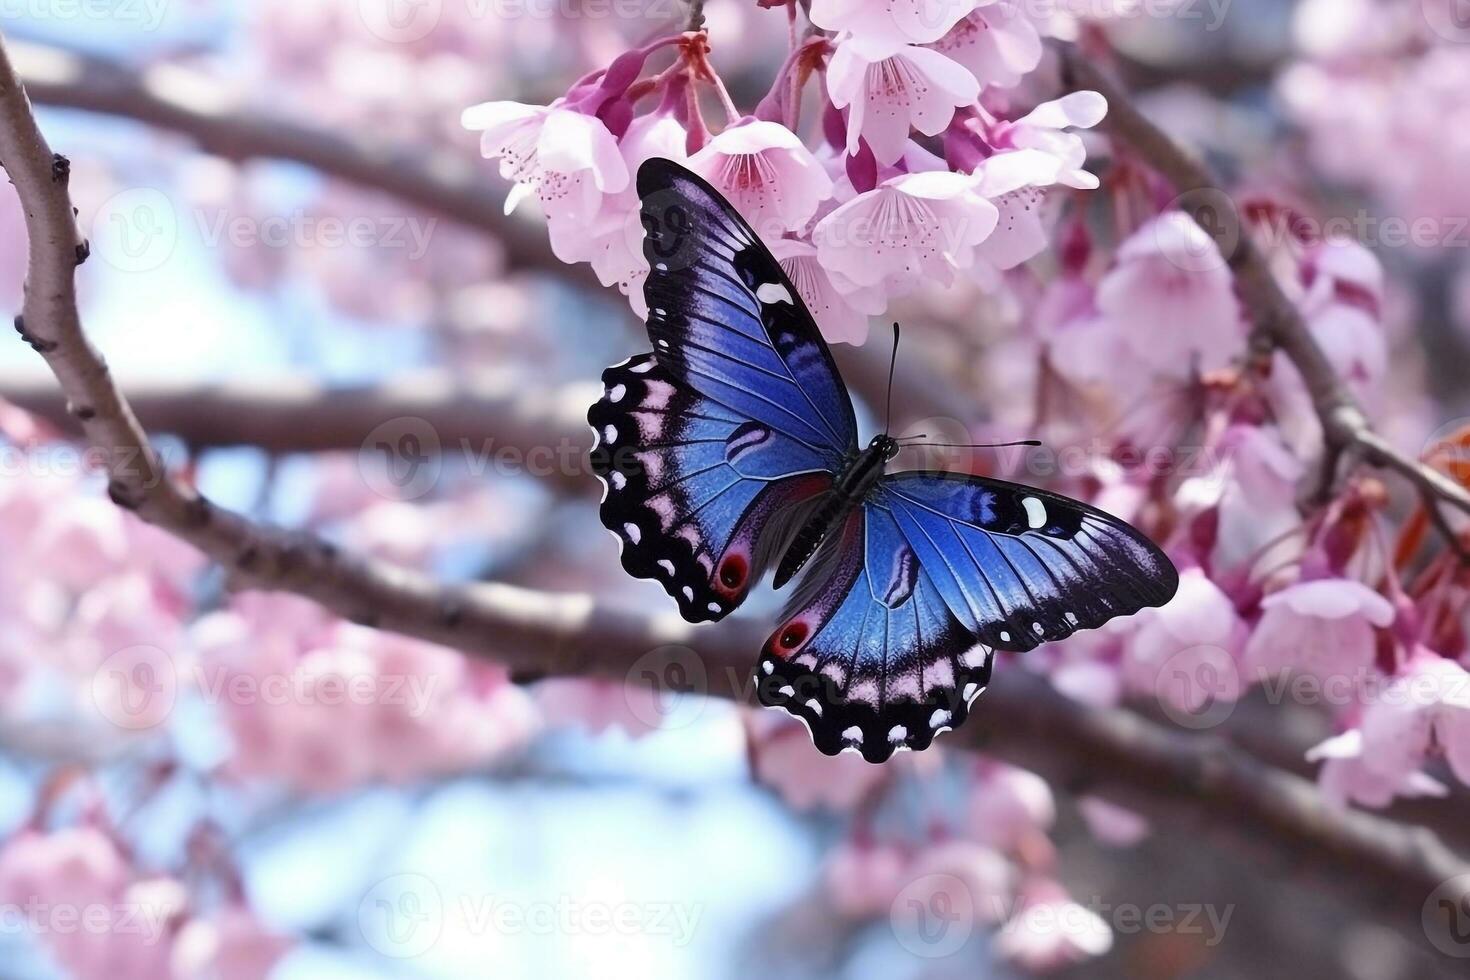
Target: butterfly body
853,484
734,443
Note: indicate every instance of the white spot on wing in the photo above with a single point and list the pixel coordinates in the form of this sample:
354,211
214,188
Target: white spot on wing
970,692
618,480
666,565
616,392
643,368
767,666
1035,512
853,735
611,433
773,292
898,733
634,535
938,718
1005,636
815,705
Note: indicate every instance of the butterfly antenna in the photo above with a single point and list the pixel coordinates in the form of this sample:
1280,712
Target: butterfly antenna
970,445
892,363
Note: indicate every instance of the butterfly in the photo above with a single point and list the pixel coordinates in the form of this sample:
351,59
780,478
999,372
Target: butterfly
732,447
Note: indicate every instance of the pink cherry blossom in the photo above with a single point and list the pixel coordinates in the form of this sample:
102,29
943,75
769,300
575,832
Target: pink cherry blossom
231,944
1344,777
1008,805
1341,305
1112,824
598,706
568,160
1050,929
1171,296
1015,183
841,311
889,88
1253,487
863,878
997,42
767,173
73,870
989,880
617,235
1323,628
785,759
1427,706
914,21
912,230
1185,653
1045,129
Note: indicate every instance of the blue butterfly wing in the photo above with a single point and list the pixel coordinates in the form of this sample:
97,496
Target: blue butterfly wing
726,321
871,657
710,447
691,487
890,642
1021,566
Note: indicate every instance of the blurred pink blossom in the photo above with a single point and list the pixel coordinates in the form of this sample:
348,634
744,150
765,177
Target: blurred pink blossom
1050,930
1007,805
1344,777
231,944
1171,298
1186,652
863,878
1323,628
1426,707
1112,824
784,759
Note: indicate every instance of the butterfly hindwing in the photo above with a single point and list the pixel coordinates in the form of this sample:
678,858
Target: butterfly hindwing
929,575
725,320
691,488
871,658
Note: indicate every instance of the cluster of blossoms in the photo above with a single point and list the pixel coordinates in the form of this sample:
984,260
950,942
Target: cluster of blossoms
920,169
82,893
1389,73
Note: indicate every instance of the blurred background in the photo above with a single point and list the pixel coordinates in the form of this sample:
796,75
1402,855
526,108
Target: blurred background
302,278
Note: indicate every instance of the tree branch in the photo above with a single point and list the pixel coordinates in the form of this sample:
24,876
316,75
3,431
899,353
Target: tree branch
489,418
1345,427
536,634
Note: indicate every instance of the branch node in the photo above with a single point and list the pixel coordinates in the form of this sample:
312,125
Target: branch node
60,169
